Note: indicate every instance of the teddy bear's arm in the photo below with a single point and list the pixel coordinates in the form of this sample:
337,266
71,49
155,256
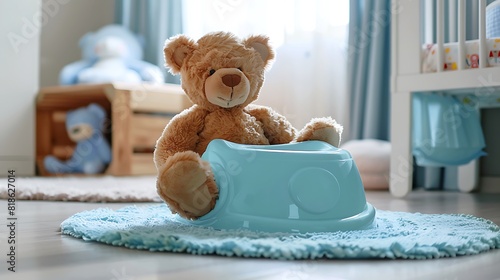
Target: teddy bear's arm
148,71
180,134
69,74
277,128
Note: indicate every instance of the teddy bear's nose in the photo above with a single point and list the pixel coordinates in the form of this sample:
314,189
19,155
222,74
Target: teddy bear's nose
231,80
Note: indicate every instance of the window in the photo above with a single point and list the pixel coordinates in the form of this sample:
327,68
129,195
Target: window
310,37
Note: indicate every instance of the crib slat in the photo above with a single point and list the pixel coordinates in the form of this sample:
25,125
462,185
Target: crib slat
440,34
405,49
452,20
429,21
461,34
483,62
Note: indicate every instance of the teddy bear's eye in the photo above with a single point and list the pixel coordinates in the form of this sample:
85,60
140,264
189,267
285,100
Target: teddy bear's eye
212,71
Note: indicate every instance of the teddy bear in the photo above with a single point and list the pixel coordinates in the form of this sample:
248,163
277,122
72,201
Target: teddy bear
92,152
222,75
111,54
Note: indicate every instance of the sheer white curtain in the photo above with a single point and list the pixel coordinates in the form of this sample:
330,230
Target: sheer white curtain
308,77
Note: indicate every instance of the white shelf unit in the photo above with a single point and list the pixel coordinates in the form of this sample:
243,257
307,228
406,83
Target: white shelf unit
406,79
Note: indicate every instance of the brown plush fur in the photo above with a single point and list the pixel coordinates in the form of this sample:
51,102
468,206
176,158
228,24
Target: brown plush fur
221,75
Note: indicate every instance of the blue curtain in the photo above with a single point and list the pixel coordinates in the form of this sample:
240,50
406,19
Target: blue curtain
155,21
369,69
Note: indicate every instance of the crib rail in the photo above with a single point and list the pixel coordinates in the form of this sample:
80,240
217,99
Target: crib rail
456,20
416,23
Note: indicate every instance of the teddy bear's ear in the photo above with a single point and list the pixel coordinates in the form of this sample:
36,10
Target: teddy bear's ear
97,110
176,49
260,43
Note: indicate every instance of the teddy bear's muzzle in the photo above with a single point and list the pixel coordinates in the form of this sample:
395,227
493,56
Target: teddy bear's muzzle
227,87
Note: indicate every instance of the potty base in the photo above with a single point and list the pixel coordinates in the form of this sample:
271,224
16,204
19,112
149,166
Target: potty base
300,187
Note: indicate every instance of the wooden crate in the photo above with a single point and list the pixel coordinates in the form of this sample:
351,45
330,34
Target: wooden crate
137,116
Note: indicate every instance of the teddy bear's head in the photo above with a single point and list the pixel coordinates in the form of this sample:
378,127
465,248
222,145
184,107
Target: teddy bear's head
110,47
89,43
83,123
219,70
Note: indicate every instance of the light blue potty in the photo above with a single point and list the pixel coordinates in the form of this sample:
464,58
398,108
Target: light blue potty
300,187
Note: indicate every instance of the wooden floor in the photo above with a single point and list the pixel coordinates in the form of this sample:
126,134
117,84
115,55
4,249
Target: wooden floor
43,253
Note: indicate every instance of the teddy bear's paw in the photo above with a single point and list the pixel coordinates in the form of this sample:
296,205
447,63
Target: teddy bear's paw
93,167
322,129
187,188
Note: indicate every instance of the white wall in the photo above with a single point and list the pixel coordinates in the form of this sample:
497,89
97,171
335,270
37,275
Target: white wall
67,22
19,48
37,38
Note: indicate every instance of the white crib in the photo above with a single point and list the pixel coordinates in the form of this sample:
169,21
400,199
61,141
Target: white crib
408,77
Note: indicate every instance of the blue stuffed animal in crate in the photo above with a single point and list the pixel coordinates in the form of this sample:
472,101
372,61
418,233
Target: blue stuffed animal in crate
92,152
112,54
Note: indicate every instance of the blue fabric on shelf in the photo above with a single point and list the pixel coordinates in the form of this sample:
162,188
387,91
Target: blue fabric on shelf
397,235
445,131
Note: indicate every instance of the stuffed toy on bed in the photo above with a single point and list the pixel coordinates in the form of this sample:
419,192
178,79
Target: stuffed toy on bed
112,54
92,152
221,74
